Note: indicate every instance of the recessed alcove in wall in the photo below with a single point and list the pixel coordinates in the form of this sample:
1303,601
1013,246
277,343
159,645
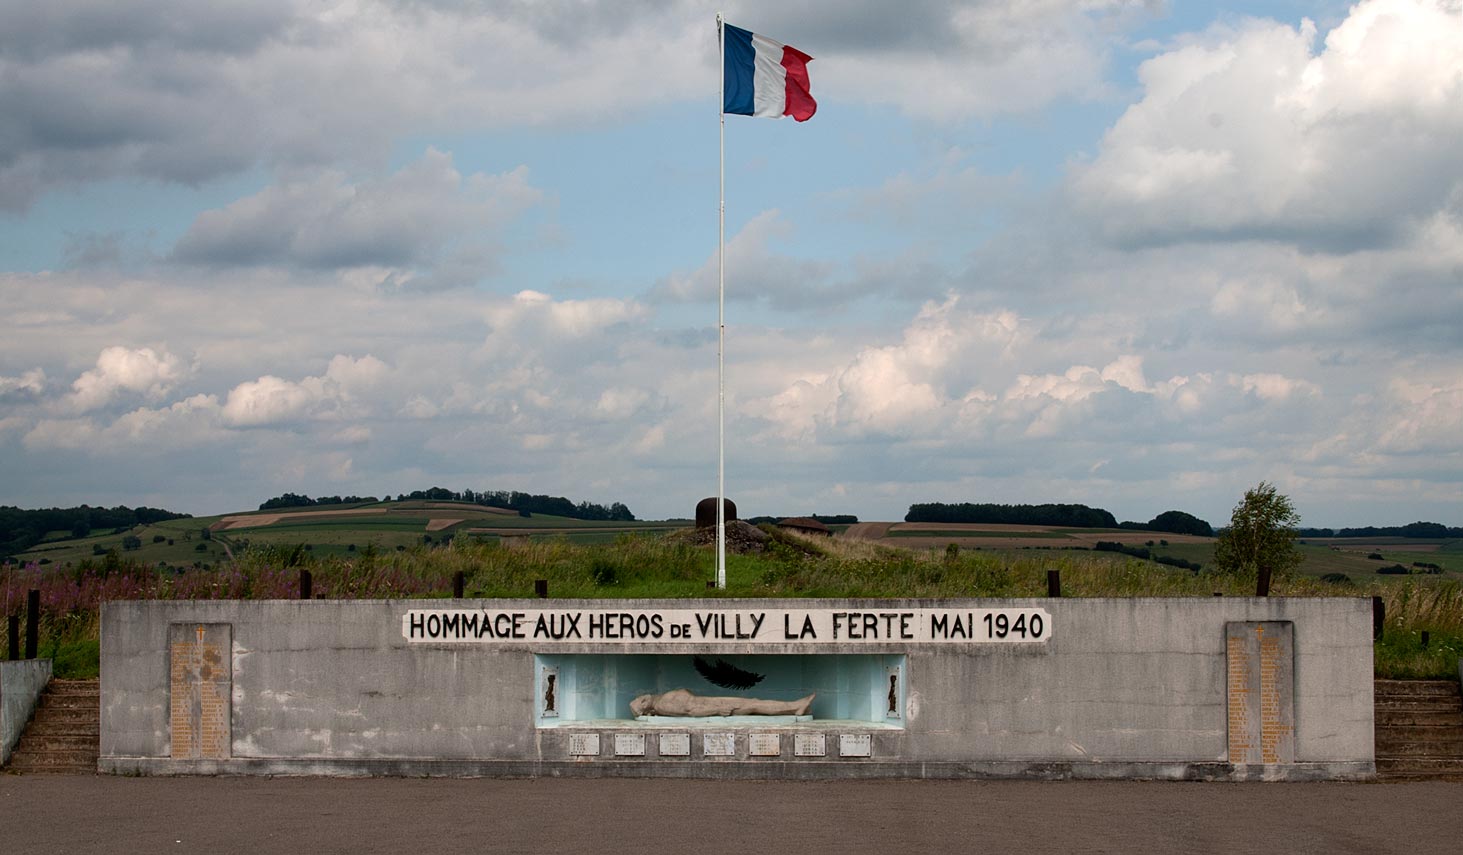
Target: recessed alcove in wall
572,689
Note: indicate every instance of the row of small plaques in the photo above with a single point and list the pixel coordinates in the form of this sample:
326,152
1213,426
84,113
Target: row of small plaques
724,745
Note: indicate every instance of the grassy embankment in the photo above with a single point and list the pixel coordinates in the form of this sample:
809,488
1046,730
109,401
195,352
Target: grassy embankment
656,566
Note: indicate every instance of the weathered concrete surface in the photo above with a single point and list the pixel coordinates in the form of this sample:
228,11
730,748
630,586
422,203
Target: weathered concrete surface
261,816
1123,688
21,684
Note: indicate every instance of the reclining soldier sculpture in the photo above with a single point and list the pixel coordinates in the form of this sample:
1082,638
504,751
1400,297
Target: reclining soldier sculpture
679,702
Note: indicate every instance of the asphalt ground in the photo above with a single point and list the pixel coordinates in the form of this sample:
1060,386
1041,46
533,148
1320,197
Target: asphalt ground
261,816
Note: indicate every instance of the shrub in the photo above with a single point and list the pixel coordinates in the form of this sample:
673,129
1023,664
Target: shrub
202,547
1393,570
604,572
1112,546
159,538
1375,556
1173,561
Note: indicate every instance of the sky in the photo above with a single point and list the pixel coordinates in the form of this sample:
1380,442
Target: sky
1134,254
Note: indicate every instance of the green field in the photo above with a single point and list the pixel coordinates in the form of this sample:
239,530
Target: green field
198,541
967,534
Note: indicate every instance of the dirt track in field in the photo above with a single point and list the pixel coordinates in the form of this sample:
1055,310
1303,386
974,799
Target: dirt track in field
258,520
987,535
865,531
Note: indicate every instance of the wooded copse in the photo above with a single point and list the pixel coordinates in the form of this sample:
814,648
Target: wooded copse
1073,516
21,529
513,500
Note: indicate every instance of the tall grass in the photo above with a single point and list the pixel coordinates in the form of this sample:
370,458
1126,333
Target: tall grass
653,566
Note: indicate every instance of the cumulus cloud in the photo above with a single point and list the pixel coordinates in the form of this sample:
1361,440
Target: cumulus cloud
190,422
944,60
530,313
756,270
27,387
912,387
403,221
334,395
186,92
121,369
1251,130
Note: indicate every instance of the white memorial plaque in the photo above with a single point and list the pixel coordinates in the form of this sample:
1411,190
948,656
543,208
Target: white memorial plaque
718,744
809,744
855,745
629,745
584,745
675,745
764,744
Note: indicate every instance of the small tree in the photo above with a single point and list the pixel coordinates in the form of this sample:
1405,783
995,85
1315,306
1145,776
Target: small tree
1261,537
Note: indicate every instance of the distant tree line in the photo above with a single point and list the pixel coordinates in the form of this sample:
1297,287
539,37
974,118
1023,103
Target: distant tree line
524,503
1076,516
1173,522
21,529
1416,529
295,500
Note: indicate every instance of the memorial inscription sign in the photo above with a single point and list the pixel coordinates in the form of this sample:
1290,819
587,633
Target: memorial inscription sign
584,745
1261,692
648,627
718,744
855,745
809,744
675,745
764,745
629,745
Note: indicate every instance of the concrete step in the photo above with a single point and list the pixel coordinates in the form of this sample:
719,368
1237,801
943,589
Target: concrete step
1419,730
53,763
65,687
65,733
64,741
72,702
66,715
1395,768
73,728
1420,733
1416,688
1415,718
1419,704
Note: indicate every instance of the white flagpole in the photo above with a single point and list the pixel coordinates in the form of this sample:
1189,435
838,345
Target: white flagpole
721,322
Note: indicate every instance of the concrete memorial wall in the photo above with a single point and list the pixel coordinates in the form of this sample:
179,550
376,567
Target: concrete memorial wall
1213,688
21,684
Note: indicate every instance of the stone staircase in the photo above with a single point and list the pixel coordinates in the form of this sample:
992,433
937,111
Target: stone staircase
1419,730
65,734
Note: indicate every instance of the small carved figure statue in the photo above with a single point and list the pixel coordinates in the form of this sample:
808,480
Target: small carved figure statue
679,702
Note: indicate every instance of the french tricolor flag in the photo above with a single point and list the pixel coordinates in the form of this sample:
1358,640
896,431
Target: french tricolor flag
764,78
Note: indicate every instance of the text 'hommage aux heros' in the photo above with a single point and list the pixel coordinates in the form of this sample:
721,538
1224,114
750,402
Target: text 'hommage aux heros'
728,626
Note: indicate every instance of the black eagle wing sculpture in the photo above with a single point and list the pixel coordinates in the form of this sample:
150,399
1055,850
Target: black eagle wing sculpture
720,672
